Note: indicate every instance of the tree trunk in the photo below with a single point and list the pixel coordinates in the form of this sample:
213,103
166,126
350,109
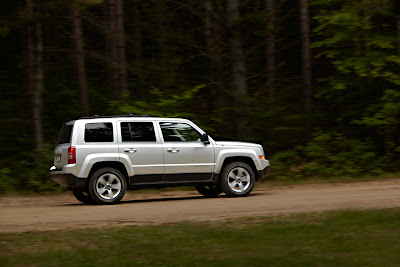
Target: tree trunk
238,68
35,74
137,36
270,49
115,37
79,55
306,65
120,36
213,33
163,46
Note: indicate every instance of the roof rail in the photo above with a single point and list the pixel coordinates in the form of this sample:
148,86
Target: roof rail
114,116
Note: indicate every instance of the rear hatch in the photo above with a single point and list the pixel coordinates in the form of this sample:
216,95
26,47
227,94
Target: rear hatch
64,142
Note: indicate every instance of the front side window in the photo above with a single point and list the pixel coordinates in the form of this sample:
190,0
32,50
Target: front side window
99,132
179,132
138,131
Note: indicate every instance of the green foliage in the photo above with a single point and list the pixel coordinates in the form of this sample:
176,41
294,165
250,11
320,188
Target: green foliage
6,181
160,105
327,154
359,40
356,44
385,113
29,172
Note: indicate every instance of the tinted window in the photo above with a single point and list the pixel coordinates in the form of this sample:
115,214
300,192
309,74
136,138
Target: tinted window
138,131
180,132
99,132
65,134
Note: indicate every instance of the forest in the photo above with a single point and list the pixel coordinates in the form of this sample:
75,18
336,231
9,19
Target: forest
316,82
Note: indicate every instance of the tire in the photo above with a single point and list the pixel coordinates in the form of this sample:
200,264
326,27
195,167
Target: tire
237,179
209,190
83,197
107,186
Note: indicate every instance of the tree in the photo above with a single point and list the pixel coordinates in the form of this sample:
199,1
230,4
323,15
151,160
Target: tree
362,47
116,43
270,48
79,56
137,37
214,49
240,89
35,72
306,64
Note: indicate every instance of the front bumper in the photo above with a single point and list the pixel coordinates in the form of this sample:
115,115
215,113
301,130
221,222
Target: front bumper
263,173
67,180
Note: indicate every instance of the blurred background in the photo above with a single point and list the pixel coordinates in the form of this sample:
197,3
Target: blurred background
316,82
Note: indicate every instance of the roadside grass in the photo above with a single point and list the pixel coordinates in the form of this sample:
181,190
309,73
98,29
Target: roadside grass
338,238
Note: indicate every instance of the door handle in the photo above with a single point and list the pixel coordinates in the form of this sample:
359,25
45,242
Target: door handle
173,150
130,150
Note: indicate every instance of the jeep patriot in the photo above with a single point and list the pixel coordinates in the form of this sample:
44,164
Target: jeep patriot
98,158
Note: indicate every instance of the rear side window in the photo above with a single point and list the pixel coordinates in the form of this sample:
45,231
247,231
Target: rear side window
138,131
65,134
99,132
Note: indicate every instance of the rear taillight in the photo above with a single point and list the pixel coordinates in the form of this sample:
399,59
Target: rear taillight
71,155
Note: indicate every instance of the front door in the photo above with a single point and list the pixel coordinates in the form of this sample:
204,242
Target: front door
140,144
186,158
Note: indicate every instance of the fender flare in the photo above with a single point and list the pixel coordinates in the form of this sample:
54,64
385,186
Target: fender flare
228,153
95,158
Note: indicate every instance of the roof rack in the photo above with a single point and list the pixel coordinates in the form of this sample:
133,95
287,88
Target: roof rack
114,116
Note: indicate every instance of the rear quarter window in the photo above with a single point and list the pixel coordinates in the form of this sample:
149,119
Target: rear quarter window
65,134
99,132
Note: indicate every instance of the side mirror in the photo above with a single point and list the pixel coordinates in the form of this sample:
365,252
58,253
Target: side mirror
204,139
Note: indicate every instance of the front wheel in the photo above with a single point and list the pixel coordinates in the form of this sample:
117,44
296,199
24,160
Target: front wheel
237,179
107,186
209,190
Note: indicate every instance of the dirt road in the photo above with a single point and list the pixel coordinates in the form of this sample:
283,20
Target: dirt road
63,212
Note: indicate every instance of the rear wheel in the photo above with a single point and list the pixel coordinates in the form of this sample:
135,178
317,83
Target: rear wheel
107,186
209,190
237,179
83,197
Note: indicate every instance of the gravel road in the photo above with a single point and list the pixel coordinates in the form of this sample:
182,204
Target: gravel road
63,212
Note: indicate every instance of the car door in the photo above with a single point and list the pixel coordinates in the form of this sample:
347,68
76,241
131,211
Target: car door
140,143
186,158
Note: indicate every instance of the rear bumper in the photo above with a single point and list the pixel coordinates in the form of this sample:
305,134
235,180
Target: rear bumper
68,181
263,173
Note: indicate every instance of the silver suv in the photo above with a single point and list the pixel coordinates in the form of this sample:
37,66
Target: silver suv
101,157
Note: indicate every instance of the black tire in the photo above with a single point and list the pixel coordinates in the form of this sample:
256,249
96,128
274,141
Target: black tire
83,197
107,186
209,190
237,179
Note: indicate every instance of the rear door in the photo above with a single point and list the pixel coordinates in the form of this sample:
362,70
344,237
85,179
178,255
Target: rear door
186,158
140,143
